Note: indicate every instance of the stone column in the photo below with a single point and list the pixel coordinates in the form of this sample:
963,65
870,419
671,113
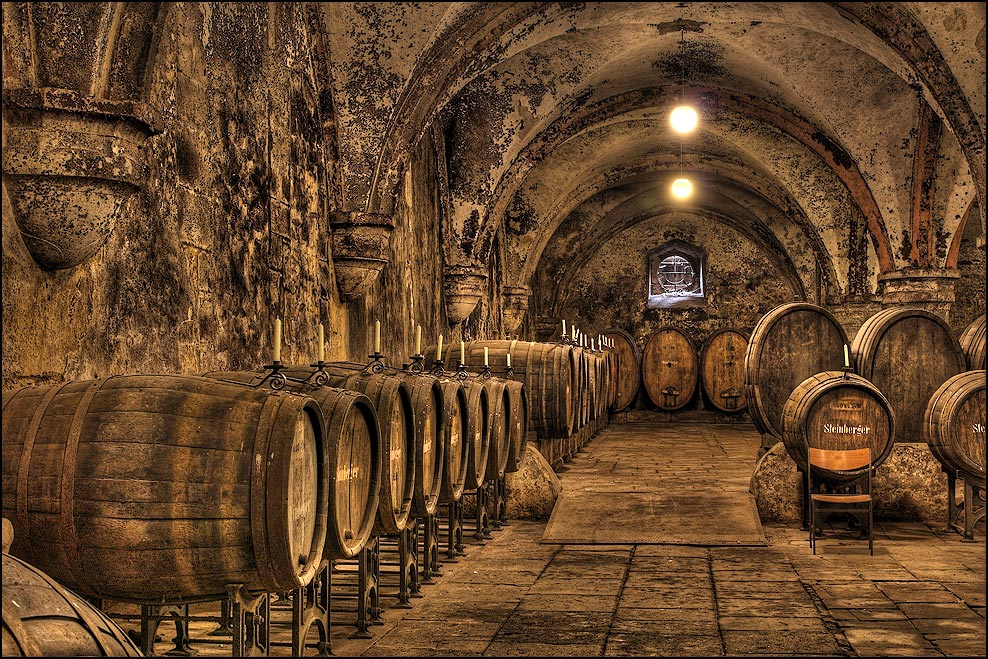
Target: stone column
931,289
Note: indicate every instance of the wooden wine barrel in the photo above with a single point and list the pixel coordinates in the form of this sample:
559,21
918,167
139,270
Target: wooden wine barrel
457,424
722,369
907,353
581,366
954,424
501,412
625,368
166,487
973,344
352,441
670,368
788,344
430,441
519,424
49,620
834,410
478,434
396,418
546,370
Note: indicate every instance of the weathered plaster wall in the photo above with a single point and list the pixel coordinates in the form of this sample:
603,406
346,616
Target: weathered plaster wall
969,289
230,229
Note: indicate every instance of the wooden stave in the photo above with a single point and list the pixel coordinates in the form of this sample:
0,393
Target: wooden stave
41,599
478,434
714,397
810,392
80,539
964,391
627,380
691,376
909,406
765,405
972,342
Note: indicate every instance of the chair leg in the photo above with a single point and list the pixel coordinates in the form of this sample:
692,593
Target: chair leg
871,533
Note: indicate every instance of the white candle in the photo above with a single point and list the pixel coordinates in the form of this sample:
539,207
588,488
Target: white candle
847,359
439,348
564,327
418,339
377,337
277,339
463,359
509,360
485,356
322,341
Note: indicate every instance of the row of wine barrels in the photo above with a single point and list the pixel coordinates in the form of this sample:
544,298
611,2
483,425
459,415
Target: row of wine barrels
42,618
837,410
972,342
549,373
166,488
354,452
907,353
625,368
790,343
954,424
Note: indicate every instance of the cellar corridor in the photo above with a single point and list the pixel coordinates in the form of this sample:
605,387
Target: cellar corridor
921,594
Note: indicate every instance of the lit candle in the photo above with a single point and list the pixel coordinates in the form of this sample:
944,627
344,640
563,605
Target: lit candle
485,356
322,341
439,348
592,345
564,327
847,359
463,358
377,337
277,339
418,340
509,360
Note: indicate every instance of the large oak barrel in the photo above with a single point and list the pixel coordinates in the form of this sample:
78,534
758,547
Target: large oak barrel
581,366
625,368
430,441
670,368
478,434
396,418
788,344
457,428
954,424
548,373
722,369
518,396
42,618
352,442
973,344
500,423
837,410
907,353
166,487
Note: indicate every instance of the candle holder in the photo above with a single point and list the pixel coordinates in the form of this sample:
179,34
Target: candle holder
509,371
438,368
461,372
318,377
417,366
485,373
376,365
276,377
848,370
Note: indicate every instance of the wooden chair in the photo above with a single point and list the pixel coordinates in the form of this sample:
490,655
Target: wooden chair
851,496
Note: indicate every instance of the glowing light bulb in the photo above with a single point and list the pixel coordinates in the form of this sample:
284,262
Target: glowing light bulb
682,188
683,119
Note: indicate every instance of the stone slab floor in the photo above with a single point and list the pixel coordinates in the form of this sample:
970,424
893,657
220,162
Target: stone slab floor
921,594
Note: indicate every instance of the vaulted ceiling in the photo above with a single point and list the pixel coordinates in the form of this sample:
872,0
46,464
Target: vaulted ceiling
831,133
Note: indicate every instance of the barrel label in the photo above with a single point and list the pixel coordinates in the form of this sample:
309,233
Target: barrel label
978,428
839,429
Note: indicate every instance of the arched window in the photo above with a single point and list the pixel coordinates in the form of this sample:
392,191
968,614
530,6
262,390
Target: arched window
676,272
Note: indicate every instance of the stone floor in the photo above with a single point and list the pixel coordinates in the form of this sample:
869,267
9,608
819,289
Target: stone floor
921,594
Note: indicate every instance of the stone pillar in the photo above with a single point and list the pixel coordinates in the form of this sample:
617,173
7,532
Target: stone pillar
931,289
853,313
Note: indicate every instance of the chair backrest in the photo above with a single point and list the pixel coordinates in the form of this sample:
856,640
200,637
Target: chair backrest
840,459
